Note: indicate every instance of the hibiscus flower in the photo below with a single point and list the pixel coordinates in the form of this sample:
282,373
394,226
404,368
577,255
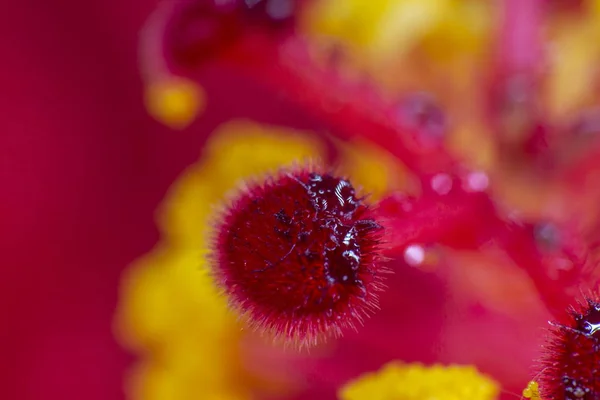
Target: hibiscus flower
473,139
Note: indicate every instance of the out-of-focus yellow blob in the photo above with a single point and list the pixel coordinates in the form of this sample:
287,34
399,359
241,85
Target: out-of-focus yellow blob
377,171
402,46
238,150
390,28
170,311
398,381
470,142
593,6
463,27
574,63
174,101
532,391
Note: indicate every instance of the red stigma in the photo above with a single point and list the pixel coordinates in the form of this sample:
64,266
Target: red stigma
573,356
299,255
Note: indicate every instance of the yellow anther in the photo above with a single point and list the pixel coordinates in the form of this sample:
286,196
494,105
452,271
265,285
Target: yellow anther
175,102
394,27
416,382
532,391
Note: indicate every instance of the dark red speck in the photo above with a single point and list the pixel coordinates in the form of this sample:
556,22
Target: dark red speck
300,255
421,115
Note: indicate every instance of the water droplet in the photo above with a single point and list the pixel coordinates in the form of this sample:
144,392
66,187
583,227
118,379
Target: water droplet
315,177
477,181
441,183
548,236
558,267
352,257
414,255
280,9
421,113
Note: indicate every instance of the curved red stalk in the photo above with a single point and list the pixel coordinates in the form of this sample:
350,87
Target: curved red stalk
559,275
458,219
463,219
281,61
349,109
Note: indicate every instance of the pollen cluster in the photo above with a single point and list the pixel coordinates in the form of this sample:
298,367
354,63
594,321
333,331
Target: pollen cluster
299,255
418,382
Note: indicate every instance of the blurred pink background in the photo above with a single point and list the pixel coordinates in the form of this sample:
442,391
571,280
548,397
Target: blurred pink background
82,168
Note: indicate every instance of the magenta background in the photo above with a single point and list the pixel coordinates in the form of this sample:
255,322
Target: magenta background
81,172
82,169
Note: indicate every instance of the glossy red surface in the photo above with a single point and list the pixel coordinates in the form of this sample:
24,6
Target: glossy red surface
300,254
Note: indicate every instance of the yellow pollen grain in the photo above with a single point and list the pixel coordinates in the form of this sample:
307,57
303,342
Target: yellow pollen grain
398,381
395,27
175,102
532,391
